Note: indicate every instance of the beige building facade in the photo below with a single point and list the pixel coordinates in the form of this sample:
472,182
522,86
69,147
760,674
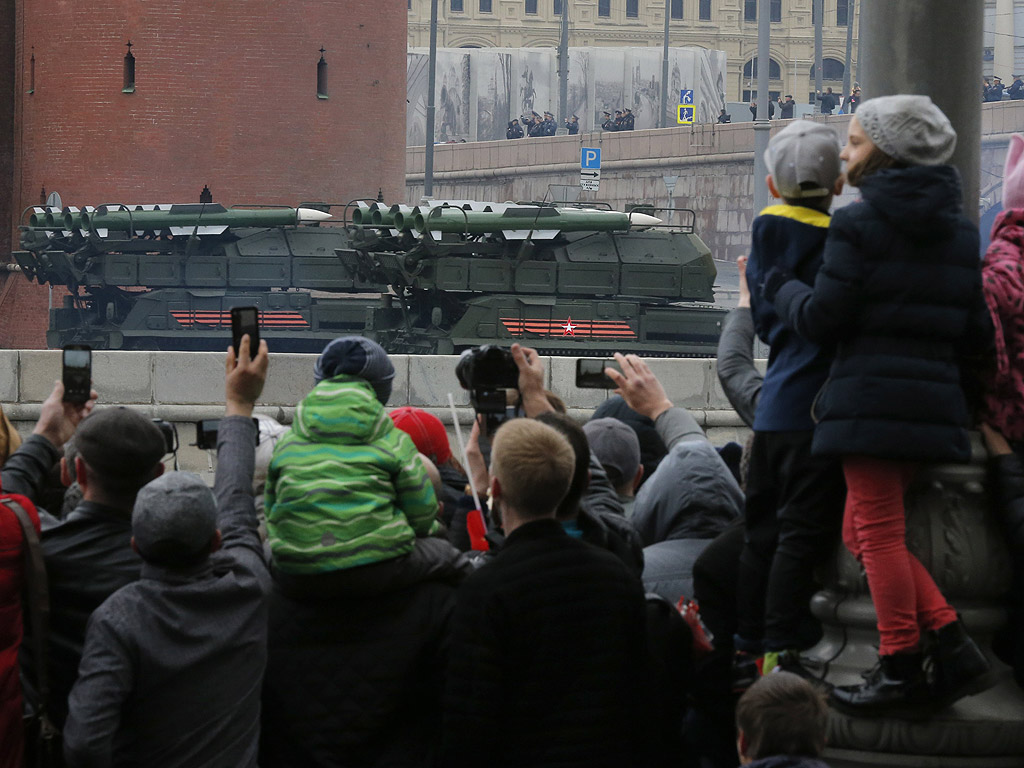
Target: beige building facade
725,25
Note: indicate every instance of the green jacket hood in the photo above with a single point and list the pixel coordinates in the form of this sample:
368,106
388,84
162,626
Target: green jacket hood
342,410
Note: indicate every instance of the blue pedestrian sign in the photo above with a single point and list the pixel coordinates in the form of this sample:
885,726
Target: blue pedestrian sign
685,116
590,158
686,97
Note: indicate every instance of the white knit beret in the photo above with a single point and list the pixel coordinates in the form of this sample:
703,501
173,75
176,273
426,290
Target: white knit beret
910,129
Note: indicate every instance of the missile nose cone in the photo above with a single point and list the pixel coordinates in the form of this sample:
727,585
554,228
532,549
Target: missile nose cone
643,220
310,214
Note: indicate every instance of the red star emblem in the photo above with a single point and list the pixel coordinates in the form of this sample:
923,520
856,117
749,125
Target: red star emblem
568,329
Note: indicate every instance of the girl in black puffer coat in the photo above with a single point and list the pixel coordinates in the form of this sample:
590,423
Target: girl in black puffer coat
900,294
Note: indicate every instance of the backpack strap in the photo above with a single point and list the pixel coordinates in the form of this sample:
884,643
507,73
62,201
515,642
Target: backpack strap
38,604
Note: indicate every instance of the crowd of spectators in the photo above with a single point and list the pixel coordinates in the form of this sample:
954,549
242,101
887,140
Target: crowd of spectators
353,593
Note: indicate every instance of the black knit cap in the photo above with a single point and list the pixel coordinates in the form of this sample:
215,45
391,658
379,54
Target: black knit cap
118,442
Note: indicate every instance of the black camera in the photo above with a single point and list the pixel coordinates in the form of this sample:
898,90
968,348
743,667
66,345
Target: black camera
207,430
487,372
170,433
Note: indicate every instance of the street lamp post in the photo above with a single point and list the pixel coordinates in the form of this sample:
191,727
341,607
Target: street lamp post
428,159
762,125
664,70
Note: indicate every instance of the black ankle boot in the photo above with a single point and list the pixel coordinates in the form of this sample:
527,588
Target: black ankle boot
959,668
896,687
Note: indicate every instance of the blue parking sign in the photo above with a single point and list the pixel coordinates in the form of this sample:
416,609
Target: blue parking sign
590,158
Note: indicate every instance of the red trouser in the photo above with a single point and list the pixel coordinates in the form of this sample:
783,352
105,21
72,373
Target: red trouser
874,530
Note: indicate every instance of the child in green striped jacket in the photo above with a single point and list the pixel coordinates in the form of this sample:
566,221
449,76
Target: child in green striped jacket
345,486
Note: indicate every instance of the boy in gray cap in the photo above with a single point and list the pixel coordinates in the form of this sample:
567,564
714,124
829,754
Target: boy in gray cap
345,487
794,501
171,670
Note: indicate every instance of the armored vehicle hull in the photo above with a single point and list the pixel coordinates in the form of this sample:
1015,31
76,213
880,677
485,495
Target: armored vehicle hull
566,281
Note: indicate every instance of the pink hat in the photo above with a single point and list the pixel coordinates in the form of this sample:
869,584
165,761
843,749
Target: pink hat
1013,174
426,431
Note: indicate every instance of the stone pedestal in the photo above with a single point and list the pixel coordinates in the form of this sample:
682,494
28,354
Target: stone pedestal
954,532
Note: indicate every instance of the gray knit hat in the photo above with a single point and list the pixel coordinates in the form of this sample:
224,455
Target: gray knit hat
357,356
910,129
174,519
616,446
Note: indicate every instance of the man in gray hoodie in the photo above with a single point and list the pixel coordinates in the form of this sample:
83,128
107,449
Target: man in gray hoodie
692,495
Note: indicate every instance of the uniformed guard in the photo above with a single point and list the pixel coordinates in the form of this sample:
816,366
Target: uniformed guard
608,124
628,120
572,125
549,125
514,130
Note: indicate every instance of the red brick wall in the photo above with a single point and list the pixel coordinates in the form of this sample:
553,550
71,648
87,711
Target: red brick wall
225,96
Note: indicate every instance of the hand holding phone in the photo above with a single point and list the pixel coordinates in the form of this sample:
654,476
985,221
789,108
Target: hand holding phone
590,373
245,320
76,373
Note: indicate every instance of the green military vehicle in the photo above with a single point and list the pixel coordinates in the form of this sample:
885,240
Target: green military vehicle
565,279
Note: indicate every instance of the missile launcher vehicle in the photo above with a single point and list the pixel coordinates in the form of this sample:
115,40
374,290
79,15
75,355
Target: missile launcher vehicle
437,279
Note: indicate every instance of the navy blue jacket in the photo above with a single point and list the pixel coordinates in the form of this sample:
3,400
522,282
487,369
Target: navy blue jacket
900,292
790,238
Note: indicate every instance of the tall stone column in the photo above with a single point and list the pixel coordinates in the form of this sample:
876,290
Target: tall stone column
932,47
1002,63
954,532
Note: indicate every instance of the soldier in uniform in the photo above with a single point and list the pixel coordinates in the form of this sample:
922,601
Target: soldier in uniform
628,120
549,125
514,130
536,127
608,124
572,125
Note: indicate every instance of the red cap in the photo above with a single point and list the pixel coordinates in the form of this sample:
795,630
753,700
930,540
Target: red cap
426,431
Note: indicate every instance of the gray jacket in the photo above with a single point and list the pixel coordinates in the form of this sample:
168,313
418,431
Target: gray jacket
736,372
172,664
692,495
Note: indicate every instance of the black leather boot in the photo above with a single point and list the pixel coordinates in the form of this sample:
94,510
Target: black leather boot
895,687
959,668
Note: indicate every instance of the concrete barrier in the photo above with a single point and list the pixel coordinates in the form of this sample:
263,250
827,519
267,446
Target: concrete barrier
183,387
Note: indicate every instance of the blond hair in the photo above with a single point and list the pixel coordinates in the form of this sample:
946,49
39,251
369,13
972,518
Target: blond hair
533,464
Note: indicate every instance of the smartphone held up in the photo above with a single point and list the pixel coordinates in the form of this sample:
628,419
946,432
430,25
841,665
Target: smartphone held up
76,373
590,373
245,320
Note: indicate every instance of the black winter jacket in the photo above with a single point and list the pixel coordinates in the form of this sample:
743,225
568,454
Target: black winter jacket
1008,490
548,657
356,662
900,291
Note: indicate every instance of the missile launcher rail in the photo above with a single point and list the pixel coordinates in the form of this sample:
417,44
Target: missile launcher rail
567,280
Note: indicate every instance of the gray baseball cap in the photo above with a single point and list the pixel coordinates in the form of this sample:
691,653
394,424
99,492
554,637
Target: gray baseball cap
616,446
174,519
803,159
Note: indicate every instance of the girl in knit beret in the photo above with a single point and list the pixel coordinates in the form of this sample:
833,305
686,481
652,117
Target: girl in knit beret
899,293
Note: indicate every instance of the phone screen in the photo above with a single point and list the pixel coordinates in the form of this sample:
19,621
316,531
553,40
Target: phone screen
590,373
77,373
245,320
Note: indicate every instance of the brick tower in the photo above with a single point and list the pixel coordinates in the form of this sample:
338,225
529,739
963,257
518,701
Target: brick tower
236,96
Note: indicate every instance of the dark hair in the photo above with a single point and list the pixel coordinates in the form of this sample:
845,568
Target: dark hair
782,714
822,203
573,432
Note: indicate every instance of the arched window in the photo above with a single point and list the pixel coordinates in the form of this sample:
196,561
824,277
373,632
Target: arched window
774,70
321,75
831,69
129,70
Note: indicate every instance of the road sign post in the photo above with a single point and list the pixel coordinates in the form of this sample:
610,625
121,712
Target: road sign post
590,168
686,112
